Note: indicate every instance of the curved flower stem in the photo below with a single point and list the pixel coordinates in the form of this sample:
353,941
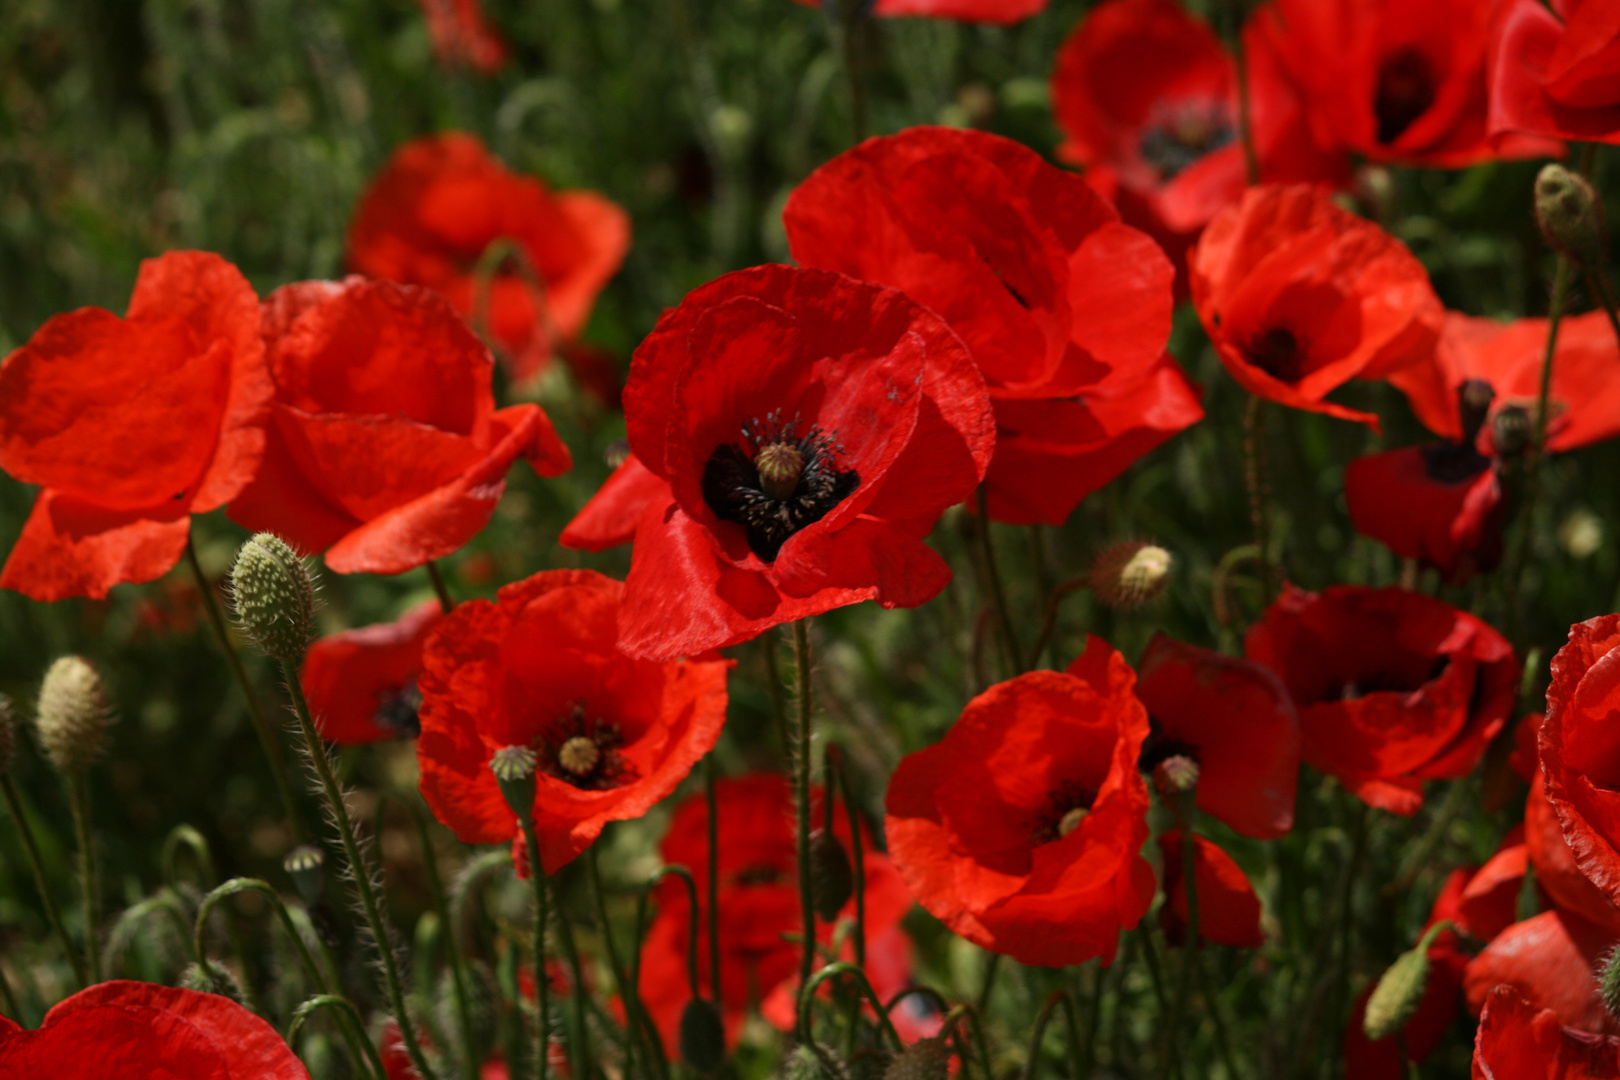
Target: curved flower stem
79,798
802,752
713,807
349,1023
447,603
694,977
992,574
627,991
360,868
53,914
847,19
263,888
1254,475
1060,592
542,980
863,986
1033,1059
233,660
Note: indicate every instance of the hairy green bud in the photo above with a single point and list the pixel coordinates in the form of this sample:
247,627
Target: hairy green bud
274,594
1400,988
1570,215
72,716
925,1059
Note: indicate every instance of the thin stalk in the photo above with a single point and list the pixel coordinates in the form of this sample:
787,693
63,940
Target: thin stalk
863,986
801,796
1189,949
992,574
375,917
1054,601
447,603
1254,475
1150,953
237,885
1598,281
542,982
988,983
8,1000
713,807
233,660
349,1023
857,856
458,958
31,846
847,27
79,798
627,991
1033,1060
1251,160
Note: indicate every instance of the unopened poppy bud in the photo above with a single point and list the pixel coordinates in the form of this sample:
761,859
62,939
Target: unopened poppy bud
1474,397
925,1059
8,735
1570,215
274,595
303,864
1128,575
1400,989
703,1037
819,1062
514,767
213,979
831,879
1609,982
72,715
1510,430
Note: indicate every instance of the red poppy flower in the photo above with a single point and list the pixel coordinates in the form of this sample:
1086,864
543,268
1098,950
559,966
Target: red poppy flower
1518,1041
1021,829
1580,757
1300,296
539,668
385,444
1228,909
1396,81
1147,97
1552,960
979,11
126,1028
1392,687
811,429
1025,262
132,425
1584,399
462,36
439,203
1234,718
1440,503
758,897
361,684
1556,872
612,514
1552,72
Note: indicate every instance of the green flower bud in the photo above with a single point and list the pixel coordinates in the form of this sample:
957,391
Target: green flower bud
513,767
214,979
1609,982
831,879
1400,988
703,1036
274,594
925,1059
72,716
1570,215
1128,575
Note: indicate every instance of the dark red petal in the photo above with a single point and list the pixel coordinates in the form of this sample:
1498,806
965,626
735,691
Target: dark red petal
1228,909
1552,960
347,676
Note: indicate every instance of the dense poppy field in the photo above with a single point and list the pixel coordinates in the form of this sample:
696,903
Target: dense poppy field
600,539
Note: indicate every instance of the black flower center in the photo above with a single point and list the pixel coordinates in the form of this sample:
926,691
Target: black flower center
1160,747
1187,134
775,483
396,711
1066,808
1406,89
1276,353
585,753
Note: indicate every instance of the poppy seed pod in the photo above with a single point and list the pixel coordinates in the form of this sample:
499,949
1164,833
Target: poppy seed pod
274,596
1128,575
1570,215
513,767
72,714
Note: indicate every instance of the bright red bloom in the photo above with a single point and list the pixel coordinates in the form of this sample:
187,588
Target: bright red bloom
1300,296
539,668
1552,960
758,898
1235,719
1556,872
462,36
979,11
136,1029
1580,748
865,412
1395,81
1228,909
1552,72
1392,687
1584,400
385,444
439,203
1489,901
1066,310
361,684
132,425
1021,829
1518,1041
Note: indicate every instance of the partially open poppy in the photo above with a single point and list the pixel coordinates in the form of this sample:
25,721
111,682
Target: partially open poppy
361,684
539,668
385,444
980,11
438,206
1519,1041
1228,909
1235,719
1021,829
132,425
129,1029
1580,754
1552,71
809,429
1392,687
1300,296
1065,310
462,36
1552,960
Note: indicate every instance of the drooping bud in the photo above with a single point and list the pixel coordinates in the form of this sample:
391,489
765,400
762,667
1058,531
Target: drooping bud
819,1062
703,1036
514,767
925,1059
832,881
214,979
274,595
1176,780
1510,430
303,864
1570,215
1400,988
8,735
1128,575
1609,982
72,716
780,466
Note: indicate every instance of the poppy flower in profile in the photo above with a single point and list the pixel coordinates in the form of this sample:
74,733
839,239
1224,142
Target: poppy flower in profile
440,203
809,430
539,668
1147,97
1518,1041
1580,757
385,448
758,900
1021,829
1024,262
1552,71
1005,12
361,684
126,1028
1440,503
462,37
1393,687
1232,717
1584,398
1299,297
132,425
1556,872
1552,960
1228,909
1396,82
